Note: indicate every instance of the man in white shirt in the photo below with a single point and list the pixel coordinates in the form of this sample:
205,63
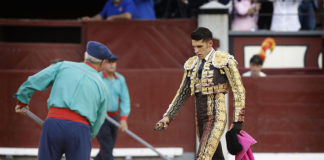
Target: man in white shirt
285,15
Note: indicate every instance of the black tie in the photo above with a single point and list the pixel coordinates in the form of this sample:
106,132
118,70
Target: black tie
201,68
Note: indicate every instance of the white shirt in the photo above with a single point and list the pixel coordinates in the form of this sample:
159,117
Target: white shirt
206,58
285,15
249,74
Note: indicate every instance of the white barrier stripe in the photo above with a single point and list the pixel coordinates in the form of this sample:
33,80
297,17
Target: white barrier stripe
117,152
286,156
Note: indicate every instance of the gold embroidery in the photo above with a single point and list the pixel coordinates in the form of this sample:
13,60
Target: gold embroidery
190,63
207,65
207,74
220,88
221,71
204,90
205,82
180,98
204,74
210,103
194,80
235,81
197,85
210,81
220,59
209,146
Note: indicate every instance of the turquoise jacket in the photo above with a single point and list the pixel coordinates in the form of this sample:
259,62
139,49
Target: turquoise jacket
75,86
118,92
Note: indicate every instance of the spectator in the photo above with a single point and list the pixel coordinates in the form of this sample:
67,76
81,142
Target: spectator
194,5
285,15
245,15
257,60
113,10
255,67
307,14
144,9
171,9
265,14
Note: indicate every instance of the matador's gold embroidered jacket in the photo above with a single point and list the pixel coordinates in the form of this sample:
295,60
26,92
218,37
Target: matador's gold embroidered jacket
219,73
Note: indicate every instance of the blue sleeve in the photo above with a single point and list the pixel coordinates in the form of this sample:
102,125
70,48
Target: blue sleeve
104,11
140,1
37,82
130,7
124,99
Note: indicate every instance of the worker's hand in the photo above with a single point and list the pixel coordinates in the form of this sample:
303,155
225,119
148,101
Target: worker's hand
110,18
162,124
123,125
86,18
19,109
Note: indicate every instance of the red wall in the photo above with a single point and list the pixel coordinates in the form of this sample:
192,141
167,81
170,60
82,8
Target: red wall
151,92
285,113
36,56
18,130
145,44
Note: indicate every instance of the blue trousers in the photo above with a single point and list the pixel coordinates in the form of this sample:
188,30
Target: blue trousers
307,15
61,136
107,137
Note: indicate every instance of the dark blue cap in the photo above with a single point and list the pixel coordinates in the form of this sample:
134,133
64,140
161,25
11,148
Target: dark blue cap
113,58
98,50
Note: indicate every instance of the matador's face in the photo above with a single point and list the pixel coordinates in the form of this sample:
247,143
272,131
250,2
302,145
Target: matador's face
202,48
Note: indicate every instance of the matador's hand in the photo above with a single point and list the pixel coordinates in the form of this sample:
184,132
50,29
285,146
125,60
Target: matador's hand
236,127
162,124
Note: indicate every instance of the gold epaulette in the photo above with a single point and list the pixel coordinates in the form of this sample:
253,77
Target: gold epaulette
190,63
220,59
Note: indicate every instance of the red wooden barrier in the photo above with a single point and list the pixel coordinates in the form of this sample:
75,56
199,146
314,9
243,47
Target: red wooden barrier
145,44
285,113
28,56
151,91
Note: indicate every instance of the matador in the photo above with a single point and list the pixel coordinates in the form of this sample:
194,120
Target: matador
208,76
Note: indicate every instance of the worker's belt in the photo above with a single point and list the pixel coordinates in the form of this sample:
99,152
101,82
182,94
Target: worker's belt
66,114
112,114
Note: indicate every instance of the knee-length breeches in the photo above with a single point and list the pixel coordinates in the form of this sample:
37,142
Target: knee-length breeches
211,120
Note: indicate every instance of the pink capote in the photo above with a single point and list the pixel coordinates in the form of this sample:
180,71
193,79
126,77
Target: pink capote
246,141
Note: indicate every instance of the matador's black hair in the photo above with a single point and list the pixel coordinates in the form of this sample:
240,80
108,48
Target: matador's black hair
202,33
